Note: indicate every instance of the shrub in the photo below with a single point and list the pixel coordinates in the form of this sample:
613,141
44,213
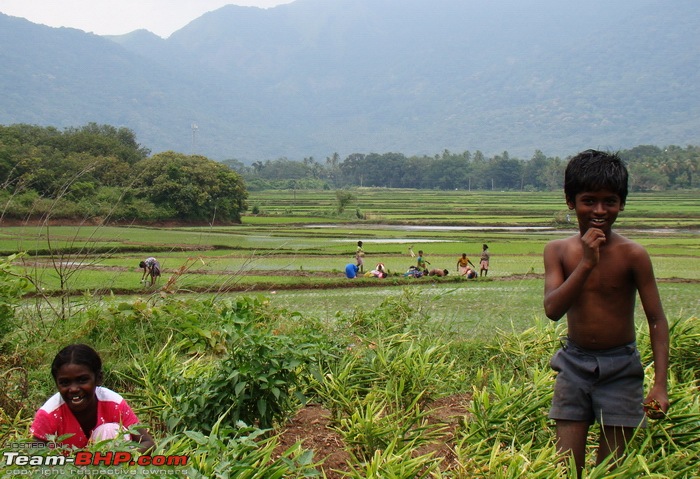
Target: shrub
394,315
247,454
250,374
12,287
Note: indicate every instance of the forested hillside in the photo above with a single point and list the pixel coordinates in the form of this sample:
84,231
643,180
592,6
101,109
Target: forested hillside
314,77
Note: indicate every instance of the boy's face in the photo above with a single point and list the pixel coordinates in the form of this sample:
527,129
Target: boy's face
596,209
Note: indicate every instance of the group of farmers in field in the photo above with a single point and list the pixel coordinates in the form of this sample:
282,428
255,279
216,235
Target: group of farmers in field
465,267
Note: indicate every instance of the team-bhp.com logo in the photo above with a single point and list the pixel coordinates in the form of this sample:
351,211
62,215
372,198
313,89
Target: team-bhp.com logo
86,458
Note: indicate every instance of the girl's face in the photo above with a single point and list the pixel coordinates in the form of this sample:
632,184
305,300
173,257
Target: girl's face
76,383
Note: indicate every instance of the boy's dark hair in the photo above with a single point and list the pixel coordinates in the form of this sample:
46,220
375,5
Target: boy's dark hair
142,264
77,354
593,170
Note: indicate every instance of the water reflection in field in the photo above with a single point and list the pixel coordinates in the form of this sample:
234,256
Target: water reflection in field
437,228
422,228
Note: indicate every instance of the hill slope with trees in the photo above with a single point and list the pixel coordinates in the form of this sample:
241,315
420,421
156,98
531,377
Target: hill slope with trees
314,77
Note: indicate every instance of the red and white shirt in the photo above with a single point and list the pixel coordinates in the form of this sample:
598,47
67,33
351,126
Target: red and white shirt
56,418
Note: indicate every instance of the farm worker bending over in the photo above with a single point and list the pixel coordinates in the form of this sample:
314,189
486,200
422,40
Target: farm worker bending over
438,272
593,277
463,265
379,271
151,268
351,270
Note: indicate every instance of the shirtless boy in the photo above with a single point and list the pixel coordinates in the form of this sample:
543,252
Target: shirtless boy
593,277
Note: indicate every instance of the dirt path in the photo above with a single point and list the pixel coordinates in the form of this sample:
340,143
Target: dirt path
313,427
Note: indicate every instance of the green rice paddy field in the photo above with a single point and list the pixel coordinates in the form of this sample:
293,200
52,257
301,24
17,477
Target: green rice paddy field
295,249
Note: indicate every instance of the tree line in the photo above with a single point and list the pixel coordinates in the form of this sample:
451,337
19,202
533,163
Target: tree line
651,168
100,171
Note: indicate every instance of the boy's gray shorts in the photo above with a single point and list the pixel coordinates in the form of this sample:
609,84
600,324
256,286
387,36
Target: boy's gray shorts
599,385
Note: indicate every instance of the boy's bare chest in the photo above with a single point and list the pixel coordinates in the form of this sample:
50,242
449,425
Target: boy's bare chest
608,283
610,277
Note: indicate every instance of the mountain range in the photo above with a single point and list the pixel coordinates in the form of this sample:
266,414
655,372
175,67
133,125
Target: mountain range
315,77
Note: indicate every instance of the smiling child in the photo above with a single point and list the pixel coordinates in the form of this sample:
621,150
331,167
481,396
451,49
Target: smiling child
82,407
593,278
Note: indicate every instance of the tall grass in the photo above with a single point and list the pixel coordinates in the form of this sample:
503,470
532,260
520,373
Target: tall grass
379,371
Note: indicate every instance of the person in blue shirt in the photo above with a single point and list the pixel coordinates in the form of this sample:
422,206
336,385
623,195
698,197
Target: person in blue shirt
351,270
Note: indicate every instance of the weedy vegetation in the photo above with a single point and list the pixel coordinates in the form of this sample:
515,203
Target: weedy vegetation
217,372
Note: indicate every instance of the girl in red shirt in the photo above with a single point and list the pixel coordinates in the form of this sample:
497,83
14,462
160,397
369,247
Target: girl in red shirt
82,407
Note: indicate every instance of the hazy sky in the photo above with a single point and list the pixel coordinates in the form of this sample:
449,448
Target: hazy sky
116,17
